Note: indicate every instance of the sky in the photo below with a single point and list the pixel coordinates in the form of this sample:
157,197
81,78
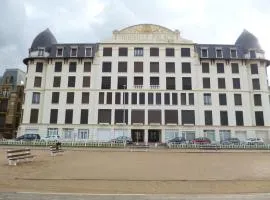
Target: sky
78,21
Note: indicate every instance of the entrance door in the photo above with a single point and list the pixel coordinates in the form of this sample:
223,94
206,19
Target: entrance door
154,135
137,135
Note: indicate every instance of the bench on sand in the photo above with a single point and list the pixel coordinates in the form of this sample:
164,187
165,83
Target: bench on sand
55,150
140,147
16,155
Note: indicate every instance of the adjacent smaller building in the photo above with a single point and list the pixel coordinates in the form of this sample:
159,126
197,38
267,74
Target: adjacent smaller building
11,99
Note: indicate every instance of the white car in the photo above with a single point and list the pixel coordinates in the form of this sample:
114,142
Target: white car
52,138
254,141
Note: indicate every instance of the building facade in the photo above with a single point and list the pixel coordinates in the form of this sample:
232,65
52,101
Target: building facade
11,99
148,83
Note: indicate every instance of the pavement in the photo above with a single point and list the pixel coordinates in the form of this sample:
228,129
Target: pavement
69,196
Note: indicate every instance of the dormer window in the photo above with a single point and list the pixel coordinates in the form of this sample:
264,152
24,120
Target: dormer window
252,54
204,53
88,51
41,51
233,53
59,52
73,51
219,53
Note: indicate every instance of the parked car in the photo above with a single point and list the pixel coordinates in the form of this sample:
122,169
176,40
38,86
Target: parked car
51,138
177,140
122,139
229,141
201,140
254,141
28,137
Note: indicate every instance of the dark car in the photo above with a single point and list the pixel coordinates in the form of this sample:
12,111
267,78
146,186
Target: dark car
201,140
229,141
178,140
28,137
122,139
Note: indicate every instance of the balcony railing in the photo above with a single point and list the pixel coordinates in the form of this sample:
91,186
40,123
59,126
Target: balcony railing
154,86
138,86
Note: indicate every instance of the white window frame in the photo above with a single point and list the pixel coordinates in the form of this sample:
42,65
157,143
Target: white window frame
52,132
207,101
41,51
83,134
219,49
249,52
90,53
71,48
231,52
68,133
204,48
57,51
138,51
36,98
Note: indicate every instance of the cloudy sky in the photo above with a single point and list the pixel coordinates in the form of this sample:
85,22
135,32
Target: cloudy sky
203,21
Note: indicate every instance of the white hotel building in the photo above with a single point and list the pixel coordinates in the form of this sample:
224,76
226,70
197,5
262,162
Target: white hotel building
167,86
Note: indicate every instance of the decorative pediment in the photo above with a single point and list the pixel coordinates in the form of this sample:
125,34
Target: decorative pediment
146,28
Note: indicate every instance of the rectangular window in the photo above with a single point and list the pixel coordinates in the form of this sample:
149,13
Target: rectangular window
109,98
86,81
237,99
84,116
41,51
59,52
167,98
256,84
117,98
55,97
119,116
73,52
154,116
174,99
183,99
169,51
186,68
88,51
170,83
171,116
236,83
85,97
83,134
239,118
126,98
122,82
154,81
220,67
170,67
142,98
56,81
188,117
186,83
185,52
208,120
138,80
254,68
107,51
205,67
138,66
191,98
221,83
223,118
69,116
207,99
233,53
158,98
154,51
154,67
36,98
259,118
122,66
87,66
235,68
137,116
134,98
71,81
53,116
204,53
70,97
150,99
206,83
34,116
58,67
257,100
138,51
101,98
219,53
106,67
222,99
106,82
252,54
39,67
72,66
123,51
37,82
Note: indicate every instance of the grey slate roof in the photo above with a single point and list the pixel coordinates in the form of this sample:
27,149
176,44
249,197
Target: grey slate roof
248,41
43,39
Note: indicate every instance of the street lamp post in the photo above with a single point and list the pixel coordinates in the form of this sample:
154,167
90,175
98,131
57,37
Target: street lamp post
124,112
